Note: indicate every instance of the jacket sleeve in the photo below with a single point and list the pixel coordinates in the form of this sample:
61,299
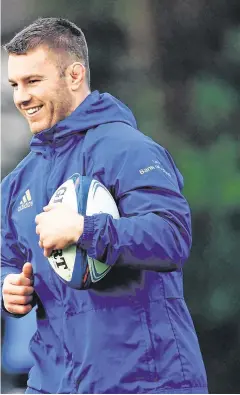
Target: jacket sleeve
12,257
9,265
154,230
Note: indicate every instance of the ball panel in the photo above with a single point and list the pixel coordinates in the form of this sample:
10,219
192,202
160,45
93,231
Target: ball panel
82,194
88,197
63,262
99,201
80,275
66,194
97,269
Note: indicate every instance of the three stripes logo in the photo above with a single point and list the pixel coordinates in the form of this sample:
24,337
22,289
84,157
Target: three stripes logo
26,201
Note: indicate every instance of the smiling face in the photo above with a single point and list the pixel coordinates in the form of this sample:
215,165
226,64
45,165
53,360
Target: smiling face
40,93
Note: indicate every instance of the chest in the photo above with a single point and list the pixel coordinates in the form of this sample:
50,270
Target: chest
35,188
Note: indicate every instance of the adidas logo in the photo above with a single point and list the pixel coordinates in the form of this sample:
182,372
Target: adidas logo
26,201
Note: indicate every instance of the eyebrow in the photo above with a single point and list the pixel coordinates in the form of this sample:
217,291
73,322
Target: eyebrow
27,77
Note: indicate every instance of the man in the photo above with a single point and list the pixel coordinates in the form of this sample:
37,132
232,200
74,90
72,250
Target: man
131,332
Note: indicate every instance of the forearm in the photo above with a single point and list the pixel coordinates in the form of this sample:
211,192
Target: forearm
147,242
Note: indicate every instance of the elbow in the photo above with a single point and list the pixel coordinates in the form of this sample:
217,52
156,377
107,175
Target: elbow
183,257
183,249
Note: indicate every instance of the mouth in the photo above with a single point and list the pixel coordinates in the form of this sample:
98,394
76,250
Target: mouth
31,112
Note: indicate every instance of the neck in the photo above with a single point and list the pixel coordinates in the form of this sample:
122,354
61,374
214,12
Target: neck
80,97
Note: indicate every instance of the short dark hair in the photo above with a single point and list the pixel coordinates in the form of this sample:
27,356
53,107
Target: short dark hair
56,33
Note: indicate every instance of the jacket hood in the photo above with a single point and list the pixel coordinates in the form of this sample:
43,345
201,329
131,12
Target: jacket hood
96,109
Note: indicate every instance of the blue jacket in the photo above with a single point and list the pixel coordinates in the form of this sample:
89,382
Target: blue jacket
131,332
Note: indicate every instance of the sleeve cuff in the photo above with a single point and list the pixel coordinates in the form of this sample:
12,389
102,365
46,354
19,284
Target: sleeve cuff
85,240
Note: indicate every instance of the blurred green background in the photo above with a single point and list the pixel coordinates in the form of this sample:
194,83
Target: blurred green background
176,64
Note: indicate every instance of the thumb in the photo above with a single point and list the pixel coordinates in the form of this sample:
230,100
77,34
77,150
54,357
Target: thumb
50,207
27,270
47,208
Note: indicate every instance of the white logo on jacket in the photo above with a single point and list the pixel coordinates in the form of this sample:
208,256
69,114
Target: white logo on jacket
157,165
26,201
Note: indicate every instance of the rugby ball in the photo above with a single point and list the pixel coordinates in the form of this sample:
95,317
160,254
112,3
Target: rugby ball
86,196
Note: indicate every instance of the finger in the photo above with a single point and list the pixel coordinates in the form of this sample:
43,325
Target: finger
38,218
50,207
17,309
27,270
38,230
23,280
47,252
16,280
48,247
19,299
12,289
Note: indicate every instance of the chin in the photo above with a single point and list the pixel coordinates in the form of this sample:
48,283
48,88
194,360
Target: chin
37,128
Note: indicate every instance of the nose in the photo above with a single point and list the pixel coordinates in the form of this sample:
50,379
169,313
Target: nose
21,96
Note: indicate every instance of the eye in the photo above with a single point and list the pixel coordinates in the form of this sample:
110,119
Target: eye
14,86
32,81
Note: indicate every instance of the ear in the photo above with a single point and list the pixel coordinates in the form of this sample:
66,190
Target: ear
77,75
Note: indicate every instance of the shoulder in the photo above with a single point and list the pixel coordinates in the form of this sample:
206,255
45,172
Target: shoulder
119,131
117,148
10,180
115,138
